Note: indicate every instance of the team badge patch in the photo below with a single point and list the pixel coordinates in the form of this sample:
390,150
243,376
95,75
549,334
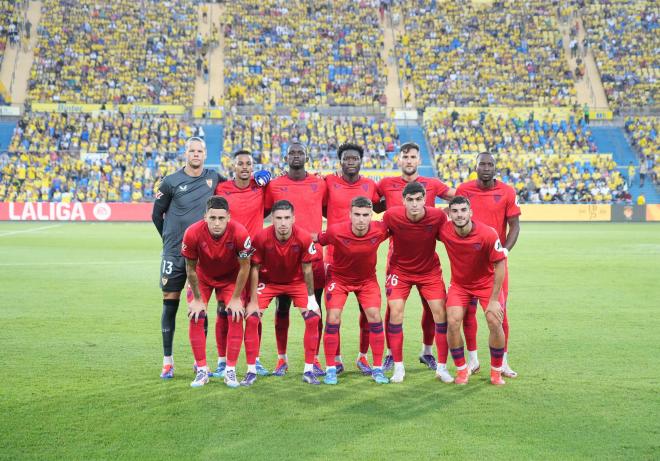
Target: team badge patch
314,187
373,240
209,182
476,246
365,187
497,198
163,280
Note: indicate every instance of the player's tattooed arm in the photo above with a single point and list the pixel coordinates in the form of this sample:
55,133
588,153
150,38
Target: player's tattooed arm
308,274
197,305
235,306
514,231
253,305
494,306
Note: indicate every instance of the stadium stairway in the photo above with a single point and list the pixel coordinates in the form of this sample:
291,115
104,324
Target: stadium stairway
412,132
613,140
6,131
214,137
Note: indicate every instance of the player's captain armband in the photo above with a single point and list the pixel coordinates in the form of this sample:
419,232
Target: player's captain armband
262,177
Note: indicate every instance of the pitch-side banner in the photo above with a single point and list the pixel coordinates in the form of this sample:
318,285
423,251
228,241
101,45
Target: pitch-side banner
52,211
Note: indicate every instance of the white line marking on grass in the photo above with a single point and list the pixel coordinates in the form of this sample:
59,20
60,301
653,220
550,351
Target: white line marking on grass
27,231
83,263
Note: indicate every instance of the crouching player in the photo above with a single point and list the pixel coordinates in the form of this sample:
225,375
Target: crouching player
477,261
353,269
217,253
282,265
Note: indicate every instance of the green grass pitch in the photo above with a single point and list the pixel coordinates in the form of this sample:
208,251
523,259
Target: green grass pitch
81,353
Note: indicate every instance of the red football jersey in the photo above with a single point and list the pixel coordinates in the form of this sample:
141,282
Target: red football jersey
281,262
217,259
492,206
414,243
246,205
472,257
355,257
392,189
340,193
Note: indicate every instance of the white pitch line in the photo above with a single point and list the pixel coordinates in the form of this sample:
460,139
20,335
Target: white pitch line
82,263
27,231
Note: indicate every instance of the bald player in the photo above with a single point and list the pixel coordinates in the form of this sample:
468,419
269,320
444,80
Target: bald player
180,201
496,205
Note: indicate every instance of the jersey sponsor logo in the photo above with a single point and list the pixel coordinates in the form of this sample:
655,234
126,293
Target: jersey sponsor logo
183,188
312,249
209,182
337,186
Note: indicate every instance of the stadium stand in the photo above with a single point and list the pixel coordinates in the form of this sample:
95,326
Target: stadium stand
624,37
550,160
268,137
301,53
504,54
115,52
643,132
10,30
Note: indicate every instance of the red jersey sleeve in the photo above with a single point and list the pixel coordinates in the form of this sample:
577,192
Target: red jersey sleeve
376,195
324,238
310,252
440,188
496,249
512,208
268,198
258,247
242,242
189,244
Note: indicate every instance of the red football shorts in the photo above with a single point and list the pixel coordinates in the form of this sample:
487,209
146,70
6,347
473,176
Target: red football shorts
459,296
223,290
431,286
297,291
336,292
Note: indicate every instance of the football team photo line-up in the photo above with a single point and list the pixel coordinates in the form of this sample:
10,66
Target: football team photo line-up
214,240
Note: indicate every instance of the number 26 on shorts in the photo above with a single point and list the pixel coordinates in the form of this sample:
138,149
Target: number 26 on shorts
392,280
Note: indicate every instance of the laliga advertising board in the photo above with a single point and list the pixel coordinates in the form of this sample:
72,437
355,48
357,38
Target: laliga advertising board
76,211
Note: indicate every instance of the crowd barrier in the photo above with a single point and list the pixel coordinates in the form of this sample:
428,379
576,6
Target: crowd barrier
141,212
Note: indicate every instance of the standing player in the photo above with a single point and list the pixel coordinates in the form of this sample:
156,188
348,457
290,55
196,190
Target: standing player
413,261
496,205
353,269
477,271
282,265
217,253
390,188
307,193
341,190
180,201
245,195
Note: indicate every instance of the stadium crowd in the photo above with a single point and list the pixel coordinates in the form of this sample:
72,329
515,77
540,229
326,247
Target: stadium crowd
625,43
268,138
300,53
506,54
643,133
115,52
550,160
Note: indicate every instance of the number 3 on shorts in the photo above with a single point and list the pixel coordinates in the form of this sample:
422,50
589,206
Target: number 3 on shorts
392,280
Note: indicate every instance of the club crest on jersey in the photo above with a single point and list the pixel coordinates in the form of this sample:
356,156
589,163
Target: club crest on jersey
209,182
163,280
315,187
295,248
347,242
476,246
373,240
497,198
365,187
429,228
229,245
